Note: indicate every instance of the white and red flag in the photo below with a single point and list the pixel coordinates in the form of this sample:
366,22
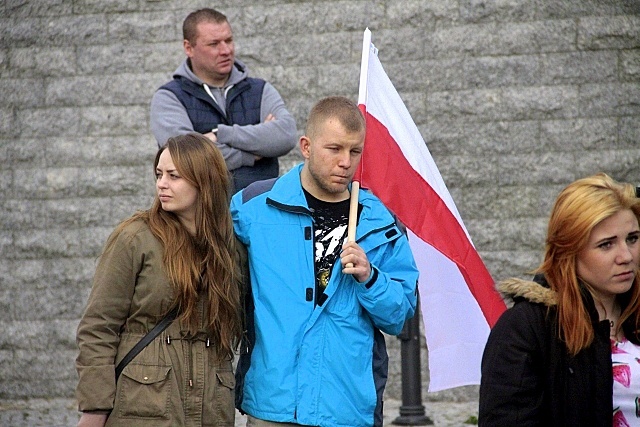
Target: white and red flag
459,303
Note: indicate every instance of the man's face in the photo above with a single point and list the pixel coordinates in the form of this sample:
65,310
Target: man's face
213,52
331,158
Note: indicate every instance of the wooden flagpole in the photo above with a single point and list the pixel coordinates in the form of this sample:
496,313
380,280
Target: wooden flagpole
362,100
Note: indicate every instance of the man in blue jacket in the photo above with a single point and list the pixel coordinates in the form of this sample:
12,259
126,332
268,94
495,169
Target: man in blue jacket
315,353
212,93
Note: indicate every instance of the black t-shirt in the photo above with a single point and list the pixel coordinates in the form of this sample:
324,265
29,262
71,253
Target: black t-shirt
330,232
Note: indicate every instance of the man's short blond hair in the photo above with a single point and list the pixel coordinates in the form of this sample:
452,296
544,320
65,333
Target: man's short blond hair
339,107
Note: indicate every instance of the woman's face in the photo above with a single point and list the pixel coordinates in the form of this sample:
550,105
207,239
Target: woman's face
609,262
176,194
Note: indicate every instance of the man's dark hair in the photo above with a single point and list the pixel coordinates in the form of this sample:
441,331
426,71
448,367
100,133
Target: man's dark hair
190,24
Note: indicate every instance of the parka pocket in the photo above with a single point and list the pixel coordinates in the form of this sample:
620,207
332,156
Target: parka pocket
222,399
227,379
144,391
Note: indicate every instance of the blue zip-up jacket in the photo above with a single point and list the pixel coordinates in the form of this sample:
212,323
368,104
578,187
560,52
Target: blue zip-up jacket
315,365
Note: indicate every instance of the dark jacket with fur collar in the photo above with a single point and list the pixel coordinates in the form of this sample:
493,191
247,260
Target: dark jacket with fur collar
528,379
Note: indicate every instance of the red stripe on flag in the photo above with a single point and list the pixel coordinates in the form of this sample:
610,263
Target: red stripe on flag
387,173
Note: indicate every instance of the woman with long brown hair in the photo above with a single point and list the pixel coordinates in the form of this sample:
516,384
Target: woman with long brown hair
567,352
178,255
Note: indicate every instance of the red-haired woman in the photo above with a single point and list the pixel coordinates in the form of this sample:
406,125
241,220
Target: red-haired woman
567,353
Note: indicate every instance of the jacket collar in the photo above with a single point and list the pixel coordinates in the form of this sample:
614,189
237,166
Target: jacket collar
538,291
287,194
239,72
517,289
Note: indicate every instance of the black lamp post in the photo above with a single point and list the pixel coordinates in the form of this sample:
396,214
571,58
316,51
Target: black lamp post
412,410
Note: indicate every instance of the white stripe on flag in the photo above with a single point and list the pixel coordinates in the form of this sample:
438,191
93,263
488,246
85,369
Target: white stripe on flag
455,328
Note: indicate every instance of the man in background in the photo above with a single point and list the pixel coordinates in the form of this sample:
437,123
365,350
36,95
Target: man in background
211,93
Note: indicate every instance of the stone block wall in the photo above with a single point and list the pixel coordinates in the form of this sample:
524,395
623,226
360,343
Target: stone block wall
514,99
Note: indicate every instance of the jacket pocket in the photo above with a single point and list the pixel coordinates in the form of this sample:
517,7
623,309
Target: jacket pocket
144,391
222,399
227,379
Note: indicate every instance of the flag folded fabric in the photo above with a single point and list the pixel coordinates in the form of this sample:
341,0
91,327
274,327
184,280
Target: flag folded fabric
459,303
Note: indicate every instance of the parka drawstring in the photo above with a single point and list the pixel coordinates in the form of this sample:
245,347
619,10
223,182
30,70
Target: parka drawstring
198,337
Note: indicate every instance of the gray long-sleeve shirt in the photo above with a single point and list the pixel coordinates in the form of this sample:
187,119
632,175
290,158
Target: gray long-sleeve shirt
239,144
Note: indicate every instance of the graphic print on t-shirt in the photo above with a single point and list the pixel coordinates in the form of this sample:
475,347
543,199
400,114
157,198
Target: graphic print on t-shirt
330,231
328,243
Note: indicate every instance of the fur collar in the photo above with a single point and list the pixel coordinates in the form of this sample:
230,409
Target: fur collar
531,291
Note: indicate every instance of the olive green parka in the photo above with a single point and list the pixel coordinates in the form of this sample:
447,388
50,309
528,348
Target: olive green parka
176,380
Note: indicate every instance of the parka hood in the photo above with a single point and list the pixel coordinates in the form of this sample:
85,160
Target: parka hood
534,292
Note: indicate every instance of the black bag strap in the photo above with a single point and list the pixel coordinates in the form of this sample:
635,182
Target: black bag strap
151,335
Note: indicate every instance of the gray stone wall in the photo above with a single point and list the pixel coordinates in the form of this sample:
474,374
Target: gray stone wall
514,99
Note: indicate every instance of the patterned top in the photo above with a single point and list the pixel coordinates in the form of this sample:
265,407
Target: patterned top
625,358
330,232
